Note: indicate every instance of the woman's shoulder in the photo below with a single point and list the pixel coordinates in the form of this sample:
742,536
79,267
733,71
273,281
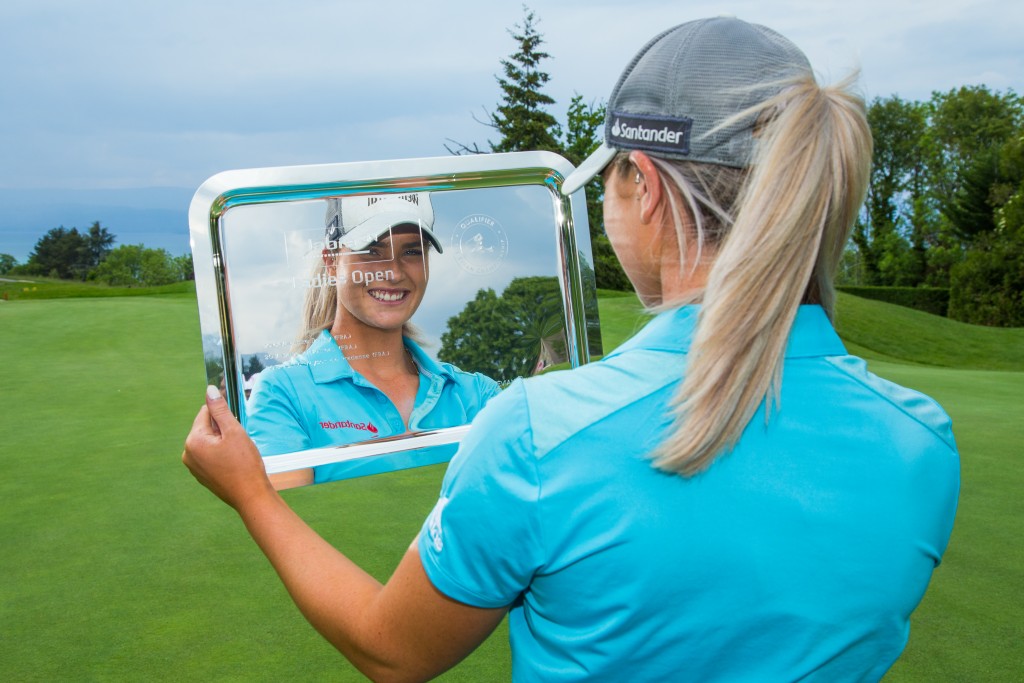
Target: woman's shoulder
557,405
476,383
911,403
621,376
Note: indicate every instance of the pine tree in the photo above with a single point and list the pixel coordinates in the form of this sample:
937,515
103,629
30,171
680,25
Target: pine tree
522,118
60,253
525,124
99,242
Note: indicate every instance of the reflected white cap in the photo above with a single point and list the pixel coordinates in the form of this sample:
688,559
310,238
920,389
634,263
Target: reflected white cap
357,221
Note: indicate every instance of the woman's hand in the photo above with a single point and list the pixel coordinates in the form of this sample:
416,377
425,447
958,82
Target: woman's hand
221,455
407,630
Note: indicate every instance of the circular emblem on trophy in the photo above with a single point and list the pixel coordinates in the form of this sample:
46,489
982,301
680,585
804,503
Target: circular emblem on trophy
479,244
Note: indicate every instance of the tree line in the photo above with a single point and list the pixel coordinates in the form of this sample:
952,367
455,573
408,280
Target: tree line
513,334
945,207
69,254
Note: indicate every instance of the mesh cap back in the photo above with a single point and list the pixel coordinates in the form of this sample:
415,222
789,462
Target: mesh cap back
692,77
684,83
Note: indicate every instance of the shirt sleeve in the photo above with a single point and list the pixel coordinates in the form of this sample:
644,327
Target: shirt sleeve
481,543
273,420
487,388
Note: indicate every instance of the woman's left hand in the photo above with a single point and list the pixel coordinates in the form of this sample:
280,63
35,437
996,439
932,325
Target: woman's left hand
407,630
222,457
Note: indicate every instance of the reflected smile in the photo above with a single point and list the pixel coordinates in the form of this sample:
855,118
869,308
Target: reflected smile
388,295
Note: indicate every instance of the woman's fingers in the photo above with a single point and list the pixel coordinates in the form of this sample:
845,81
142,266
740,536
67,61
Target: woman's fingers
221,456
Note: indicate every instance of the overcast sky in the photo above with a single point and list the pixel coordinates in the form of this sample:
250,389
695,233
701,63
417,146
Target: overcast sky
141,93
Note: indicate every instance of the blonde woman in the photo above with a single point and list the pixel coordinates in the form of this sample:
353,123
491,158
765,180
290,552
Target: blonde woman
727,496
359,373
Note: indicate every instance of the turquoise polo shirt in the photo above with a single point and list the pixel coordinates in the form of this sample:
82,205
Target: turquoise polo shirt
317,400
799,555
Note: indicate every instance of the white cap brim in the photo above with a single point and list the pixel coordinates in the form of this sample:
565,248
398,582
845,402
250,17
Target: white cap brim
590,167
371,229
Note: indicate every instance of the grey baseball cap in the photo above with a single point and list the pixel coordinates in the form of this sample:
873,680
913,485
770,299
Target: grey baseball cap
356,221
684,83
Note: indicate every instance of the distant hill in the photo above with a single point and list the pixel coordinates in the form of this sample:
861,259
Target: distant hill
874,329
871,329
154,216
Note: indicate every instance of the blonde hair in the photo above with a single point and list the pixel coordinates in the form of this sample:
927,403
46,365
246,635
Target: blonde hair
319,308
779,228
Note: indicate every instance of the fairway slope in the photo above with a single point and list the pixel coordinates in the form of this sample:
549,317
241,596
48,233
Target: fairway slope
882,331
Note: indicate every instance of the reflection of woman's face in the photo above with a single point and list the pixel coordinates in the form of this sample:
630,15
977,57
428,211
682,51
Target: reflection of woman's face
382,286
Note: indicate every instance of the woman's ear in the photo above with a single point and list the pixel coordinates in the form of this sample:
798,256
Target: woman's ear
328,258
649,187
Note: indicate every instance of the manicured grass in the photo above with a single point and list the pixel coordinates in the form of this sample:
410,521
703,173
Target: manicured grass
876,329
969,626
622,316
871,329
17,287
117,566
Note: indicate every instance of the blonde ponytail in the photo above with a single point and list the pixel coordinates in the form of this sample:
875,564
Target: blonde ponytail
791,221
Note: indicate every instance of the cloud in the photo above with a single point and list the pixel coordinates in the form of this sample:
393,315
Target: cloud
117,93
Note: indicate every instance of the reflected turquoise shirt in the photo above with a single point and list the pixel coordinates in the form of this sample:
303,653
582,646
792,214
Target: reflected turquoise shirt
797,556
316,399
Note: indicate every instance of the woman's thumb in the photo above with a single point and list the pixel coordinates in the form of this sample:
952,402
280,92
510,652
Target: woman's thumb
220,414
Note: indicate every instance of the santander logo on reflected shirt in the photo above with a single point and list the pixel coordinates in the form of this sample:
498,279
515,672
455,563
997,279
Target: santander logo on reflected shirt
349,424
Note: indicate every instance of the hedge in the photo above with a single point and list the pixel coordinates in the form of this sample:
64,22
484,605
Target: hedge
933,300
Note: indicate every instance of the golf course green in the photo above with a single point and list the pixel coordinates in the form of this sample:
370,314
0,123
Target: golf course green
118,566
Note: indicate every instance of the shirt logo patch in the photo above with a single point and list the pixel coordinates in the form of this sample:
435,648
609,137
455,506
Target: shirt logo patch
434,525
349,424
